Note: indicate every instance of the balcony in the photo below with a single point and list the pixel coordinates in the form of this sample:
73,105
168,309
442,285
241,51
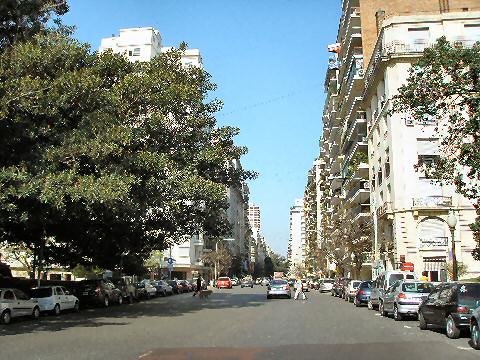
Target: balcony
432,202
433,242
360,211
359,193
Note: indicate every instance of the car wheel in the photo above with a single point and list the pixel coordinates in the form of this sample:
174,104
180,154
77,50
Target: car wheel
106,302
269,297
251,286
56,310
397,316
6,317
422,324
475,336
355,302
453,332
76,307
242,286
148,296
381,309
36,312
370,305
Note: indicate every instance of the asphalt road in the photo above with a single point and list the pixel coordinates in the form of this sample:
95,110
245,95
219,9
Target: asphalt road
231,324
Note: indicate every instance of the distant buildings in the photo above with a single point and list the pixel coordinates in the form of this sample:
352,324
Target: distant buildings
296,244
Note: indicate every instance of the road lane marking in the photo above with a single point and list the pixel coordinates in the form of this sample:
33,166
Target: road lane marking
378,314
464,348
146,354
407,327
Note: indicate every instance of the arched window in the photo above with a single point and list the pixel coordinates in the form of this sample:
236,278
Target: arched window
432,232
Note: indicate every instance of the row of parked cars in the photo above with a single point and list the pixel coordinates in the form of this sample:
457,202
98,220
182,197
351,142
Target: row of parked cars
16,302
453,306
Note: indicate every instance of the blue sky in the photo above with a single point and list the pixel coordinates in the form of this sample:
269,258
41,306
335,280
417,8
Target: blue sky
268,59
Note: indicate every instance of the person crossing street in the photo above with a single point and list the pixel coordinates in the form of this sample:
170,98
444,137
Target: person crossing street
299,290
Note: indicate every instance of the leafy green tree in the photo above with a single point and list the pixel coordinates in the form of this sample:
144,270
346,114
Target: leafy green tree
21,19
279,262
104,156
444,87
268,266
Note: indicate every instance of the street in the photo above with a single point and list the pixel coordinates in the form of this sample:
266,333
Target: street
231,324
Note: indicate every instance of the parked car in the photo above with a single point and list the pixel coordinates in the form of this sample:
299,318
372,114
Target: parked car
363,294
336,287
247,282
235,281
167,286
383,282
145,290
305,285
174,285
325,285
474,328
161,290
404,297
278,287
351,289
98,292
224,282
54,299
127,287
15,303
265,281
184,286
451,306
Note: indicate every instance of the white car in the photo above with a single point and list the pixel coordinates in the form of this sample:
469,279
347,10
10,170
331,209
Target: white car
265,282
15,303
55,299
326,285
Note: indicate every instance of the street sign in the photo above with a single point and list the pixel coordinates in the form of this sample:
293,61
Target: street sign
170,260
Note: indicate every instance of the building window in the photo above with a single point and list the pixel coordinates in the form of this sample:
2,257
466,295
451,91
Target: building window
387,164
136,52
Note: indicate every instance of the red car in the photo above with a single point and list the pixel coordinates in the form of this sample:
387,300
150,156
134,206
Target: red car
224,282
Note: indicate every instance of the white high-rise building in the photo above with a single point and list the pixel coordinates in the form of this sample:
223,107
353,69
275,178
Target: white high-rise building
296,245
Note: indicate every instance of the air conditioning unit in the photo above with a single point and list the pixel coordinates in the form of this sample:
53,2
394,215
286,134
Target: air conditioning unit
410,122
361,72
366,185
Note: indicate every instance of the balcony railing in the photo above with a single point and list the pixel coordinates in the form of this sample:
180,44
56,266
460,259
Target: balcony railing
433,242
433,201
363,185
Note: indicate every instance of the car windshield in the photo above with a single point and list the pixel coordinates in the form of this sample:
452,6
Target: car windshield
279,282
366,285
223,279
41,292
356,284
422,288
469,294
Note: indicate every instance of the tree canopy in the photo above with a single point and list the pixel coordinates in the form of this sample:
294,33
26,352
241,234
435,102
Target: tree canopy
100,156
443,87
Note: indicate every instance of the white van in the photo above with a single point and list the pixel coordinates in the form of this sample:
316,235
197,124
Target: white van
383,282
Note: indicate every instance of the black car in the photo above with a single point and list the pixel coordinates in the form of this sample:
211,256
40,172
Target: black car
450,305
174,285
98,292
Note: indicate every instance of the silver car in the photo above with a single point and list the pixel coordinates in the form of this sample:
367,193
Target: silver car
404,297
278,287
15,303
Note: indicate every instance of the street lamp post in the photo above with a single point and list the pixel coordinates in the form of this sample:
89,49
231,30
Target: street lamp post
452,223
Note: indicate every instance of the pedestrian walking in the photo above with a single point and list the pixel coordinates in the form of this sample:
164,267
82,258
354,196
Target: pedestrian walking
199,285
299,290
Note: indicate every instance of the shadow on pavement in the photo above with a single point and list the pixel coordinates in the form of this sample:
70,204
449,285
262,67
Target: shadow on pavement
176,305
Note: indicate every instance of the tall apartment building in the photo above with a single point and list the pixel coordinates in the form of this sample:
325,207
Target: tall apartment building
296,244
366,156
412,210
254,216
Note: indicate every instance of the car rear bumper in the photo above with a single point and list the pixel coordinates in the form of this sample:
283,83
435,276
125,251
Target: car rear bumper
411,309
275,292
363,298
461,320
